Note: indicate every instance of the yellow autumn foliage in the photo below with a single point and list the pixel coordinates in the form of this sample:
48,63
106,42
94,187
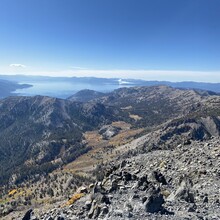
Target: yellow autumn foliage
74,198
12,192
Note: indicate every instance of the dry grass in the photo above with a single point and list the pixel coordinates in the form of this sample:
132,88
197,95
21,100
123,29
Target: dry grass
121,124
135,117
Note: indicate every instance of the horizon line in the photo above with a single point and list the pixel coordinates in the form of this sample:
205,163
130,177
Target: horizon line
140,74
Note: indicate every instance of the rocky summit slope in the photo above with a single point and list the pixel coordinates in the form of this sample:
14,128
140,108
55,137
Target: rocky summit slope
154,152
163,184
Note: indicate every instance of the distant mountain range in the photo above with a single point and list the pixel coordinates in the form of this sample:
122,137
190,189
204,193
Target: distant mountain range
9,84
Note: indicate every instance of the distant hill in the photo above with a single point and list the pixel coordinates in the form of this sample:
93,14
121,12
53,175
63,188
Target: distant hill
86,95
215,87
7,87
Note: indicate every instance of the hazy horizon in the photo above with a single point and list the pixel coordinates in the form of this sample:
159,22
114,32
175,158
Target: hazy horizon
162,76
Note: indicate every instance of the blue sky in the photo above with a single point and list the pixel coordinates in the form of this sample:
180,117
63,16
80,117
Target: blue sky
150,39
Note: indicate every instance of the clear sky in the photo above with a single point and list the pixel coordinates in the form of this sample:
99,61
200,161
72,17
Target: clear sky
150,39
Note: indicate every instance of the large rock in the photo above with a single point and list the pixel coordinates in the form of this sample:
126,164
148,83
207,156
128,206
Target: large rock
154,201
27,215
109,131
184,191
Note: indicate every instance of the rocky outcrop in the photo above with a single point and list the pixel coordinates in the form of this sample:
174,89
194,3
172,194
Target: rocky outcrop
108,131
183,191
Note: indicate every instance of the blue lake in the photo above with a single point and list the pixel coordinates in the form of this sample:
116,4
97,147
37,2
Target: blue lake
63,89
